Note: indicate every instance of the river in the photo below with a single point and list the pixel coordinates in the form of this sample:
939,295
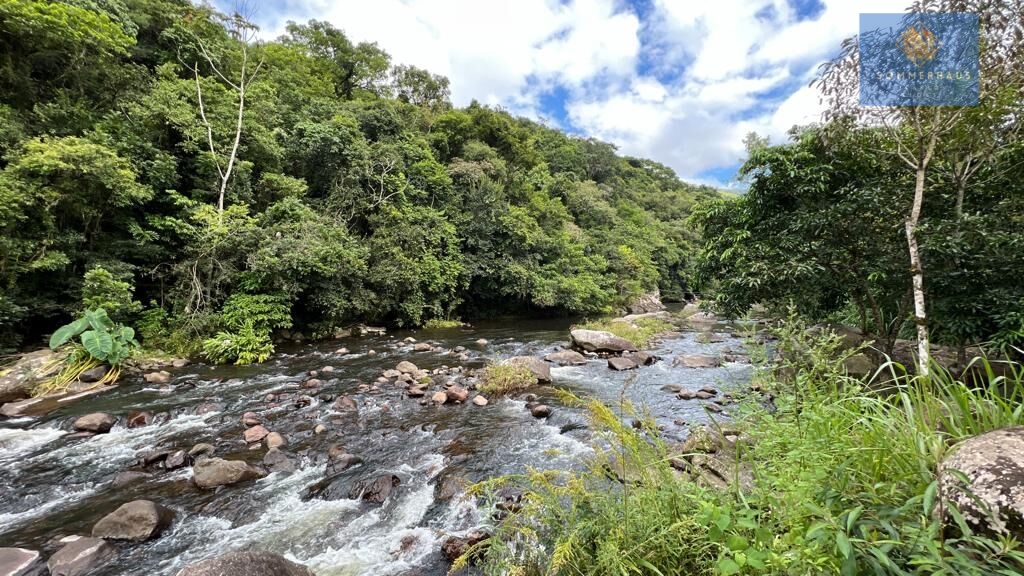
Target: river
56,486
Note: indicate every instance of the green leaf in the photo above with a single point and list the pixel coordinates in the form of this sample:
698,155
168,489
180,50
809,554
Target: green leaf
929,497
99,320
727,566
127,334
736,543
97,344
67,332
843,543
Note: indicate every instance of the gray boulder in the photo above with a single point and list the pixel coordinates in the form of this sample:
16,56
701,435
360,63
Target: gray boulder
993,464
17,382
599,341
566,358
246,564
619,363
697,361
81,556
540,369
374,490
214,472
99,423
19,562
647,303
137,521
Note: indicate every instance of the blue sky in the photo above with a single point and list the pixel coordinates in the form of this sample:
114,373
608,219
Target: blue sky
679,81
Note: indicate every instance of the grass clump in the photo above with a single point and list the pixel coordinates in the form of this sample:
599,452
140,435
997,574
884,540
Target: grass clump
845,482
440,323
640,331
502,379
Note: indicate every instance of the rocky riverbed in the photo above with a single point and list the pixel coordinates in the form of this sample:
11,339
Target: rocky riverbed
348,457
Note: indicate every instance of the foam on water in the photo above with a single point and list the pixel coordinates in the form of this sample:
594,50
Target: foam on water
14,441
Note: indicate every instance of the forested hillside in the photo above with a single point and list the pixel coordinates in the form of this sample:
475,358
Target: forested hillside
357,193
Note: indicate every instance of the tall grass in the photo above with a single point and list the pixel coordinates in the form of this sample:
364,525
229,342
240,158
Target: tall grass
640,331
845,482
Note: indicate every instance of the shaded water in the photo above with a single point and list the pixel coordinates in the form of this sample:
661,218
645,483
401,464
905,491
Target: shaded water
55,486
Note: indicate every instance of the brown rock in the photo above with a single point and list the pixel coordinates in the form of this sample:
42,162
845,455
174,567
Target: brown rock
697,361
175,460
275,440
540,369
214,472
566,358
138,419
406,367
599,341
18,562
80,556
439,397
137,521
374,490
161,377
346,404
457,394
540,411
686,395
480,401
621,363
246,564
455,547
125,478
98,423
251,419
422,347
255,434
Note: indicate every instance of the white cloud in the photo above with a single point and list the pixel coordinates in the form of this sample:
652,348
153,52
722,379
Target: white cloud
683,86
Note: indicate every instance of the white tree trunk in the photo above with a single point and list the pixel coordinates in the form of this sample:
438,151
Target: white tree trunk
917,276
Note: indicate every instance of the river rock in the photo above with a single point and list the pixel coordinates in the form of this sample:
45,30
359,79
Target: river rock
621,363
346,404
138,419
94,374
341,462
685,394
456,546
161,377
137,521
701,317
275,440
98,422
439,397
541,370
482,342
17,381
176,459
202,449
703,395
80,556
643,358
566,358
313,383
214,472
406,367
599,341
457,393
125,478
374,490
179,362
422,347
320,429
480,400
540,411
697,361
416,392
246,564
391,374
18,562
276,460
255,434
993,464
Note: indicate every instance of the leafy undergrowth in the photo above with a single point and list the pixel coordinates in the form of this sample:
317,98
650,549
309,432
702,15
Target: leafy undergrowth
439,323
502,379
640,331
845,483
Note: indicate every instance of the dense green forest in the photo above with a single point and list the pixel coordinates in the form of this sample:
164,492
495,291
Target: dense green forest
160,161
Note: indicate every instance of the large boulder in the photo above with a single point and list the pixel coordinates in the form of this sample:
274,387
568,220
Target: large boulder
697,361
19,562
137,521
541,370
246,564
993,464
406,367
214,472
81,556
566,358
17,381
619,363
599,341
647,303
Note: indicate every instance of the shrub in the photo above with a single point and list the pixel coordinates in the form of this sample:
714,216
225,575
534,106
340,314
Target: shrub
100,341
501,379
246,345
439,323
101,290
247,321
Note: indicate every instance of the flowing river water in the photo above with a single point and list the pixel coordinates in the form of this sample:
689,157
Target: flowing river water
55,485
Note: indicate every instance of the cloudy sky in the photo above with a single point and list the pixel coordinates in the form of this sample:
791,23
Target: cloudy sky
679,81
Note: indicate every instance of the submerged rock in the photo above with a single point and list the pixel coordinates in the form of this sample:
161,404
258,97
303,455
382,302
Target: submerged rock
98,422
540,411
246,564
697,361
127,477
456,546
137,521
599,341
214,472
80,556
255,434
19,562
620,363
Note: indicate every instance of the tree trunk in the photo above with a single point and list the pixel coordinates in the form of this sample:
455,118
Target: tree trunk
917,275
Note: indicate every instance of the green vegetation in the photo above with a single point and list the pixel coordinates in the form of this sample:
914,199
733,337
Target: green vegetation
503,379
440,323
640,331
161,142
100,341
839,480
